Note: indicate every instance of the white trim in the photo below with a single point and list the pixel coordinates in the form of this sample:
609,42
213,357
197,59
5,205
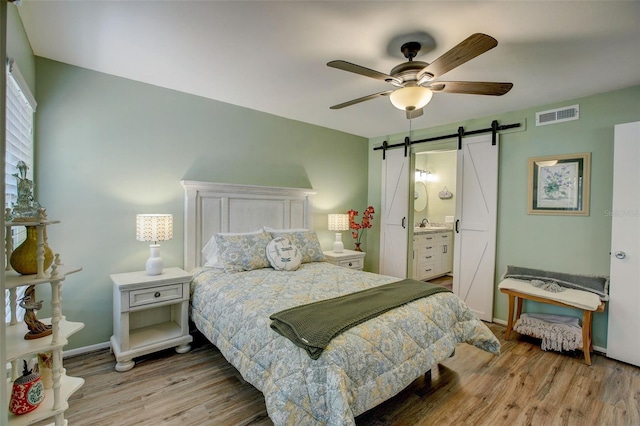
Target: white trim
499,321
87,349
14,70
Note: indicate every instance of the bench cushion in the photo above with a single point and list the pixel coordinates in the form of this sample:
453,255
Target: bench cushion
577,298
592,283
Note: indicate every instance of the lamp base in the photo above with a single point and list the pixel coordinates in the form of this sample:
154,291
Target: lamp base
154,265
338,246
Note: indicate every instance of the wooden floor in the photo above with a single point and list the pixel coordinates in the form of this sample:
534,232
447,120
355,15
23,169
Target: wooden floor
523,386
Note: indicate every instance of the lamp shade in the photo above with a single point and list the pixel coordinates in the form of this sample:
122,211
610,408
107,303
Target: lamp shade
410,98
338,222
154,227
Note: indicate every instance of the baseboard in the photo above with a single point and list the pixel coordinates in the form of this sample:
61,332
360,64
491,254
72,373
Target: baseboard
86,349
499,321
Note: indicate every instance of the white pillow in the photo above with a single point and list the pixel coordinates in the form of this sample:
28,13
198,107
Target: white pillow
282,255
210,250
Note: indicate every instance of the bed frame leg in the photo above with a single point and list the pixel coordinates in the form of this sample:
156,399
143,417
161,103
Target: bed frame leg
427,376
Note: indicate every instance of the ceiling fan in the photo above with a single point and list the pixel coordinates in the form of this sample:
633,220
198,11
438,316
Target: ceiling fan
415,81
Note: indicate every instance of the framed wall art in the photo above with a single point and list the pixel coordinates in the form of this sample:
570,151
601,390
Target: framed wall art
559,184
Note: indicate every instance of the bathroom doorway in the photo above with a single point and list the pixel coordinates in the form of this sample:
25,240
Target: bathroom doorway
434,209
435,175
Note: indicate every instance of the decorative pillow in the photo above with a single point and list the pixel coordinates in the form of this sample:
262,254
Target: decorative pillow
243,252
210,250
306,241
282,255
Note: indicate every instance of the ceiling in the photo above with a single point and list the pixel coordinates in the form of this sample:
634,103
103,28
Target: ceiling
271,55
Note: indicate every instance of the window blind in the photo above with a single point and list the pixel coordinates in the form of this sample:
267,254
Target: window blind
21,107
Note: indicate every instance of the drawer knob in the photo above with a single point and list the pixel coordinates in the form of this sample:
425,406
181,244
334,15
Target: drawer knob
157,294
350,264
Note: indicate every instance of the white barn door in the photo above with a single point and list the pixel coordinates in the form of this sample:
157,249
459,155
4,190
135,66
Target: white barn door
395,214
475,225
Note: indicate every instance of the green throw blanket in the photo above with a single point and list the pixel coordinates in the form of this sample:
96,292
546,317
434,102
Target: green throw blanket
312,326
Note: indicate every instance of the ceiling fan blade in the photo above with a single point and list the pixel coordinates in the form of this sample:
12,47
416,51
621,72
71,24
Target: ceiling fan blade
414,114
474,45
357,69
471,87
362,99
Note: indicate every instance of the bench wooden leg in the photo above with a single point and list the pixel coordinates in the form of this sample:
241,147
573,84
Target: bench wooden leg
587,344
519,309
507,333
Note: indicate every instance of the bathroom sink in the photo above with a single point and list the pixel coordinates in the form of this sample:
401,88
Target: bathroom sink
430,228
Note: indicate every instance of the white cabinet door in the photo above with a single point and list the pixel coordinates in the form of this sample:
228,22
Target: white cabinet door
394,236
623,341
475,226
445,247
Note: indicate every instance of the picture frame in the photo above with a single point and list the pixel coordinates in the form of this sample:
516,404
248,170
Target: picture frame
559,184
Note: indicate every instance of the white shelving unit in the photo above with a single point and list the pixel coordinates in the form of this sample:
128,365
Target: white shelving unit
17,348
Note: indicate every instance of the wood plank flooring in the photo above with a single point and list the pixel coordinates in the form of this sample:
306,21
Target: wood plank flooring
522,386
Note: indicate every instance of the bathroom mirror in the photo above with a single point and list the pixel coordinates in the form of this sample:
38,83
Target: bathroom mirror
420,197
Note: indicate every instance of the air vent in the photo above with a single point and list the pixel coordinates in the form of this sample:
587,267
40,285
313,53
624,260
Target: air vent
558,115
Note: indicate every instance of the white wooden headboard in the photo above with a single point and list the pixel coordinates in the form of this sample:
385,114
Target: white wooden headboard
222,207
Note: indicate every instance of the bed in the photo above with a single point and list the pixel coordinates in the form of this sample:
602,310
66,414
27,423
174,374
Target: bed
360,368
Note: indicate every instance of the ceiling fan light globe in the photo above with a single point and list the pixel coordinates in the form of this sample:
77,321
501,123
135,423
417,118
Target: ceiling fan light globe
411,98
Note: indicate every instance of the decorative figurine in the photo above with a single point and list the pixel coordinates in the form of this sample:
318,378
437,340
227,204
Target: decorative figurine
26,208
28,392
37,329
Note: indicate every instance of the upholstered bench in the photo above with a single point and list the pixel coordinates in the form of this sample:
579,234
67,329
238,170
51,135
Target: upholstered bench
521,288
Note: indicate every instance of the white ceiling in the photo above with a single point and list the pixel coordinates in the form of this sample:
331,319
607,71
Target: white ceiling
271,55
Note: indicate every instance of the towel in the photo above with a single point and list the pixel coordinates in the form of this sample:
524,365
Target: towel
591,283
558,332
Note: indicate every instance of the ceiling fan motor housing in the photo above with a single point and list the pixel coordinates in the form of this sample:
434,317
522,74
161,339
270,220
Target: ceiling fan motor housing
407,72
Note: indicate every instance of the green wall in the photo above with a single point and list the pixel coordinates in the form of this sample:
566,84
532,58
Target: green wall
109,148
560,243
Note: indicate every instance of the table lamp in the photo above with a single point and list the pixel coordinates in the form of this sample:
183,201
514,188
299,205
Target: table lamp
338,222
154,227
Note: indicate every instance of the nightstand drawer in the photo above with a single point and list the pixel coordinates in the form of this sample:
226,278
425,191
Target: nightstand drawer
351,263
158,294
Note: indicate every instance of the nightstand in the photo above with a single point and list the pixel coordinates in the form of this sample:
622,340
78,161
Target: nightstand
348,258
150,313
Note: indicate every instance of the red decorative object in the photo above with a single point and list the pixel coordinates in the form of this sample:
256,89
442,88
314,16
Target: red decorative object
359,228
28,392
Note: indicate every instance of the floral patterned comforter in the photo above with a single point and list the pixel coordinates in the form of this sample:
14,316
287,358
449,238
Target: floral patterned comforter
359,369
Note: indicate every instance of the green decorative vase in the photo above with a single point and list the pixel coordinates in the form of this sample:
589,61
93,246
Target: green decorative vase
24,258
